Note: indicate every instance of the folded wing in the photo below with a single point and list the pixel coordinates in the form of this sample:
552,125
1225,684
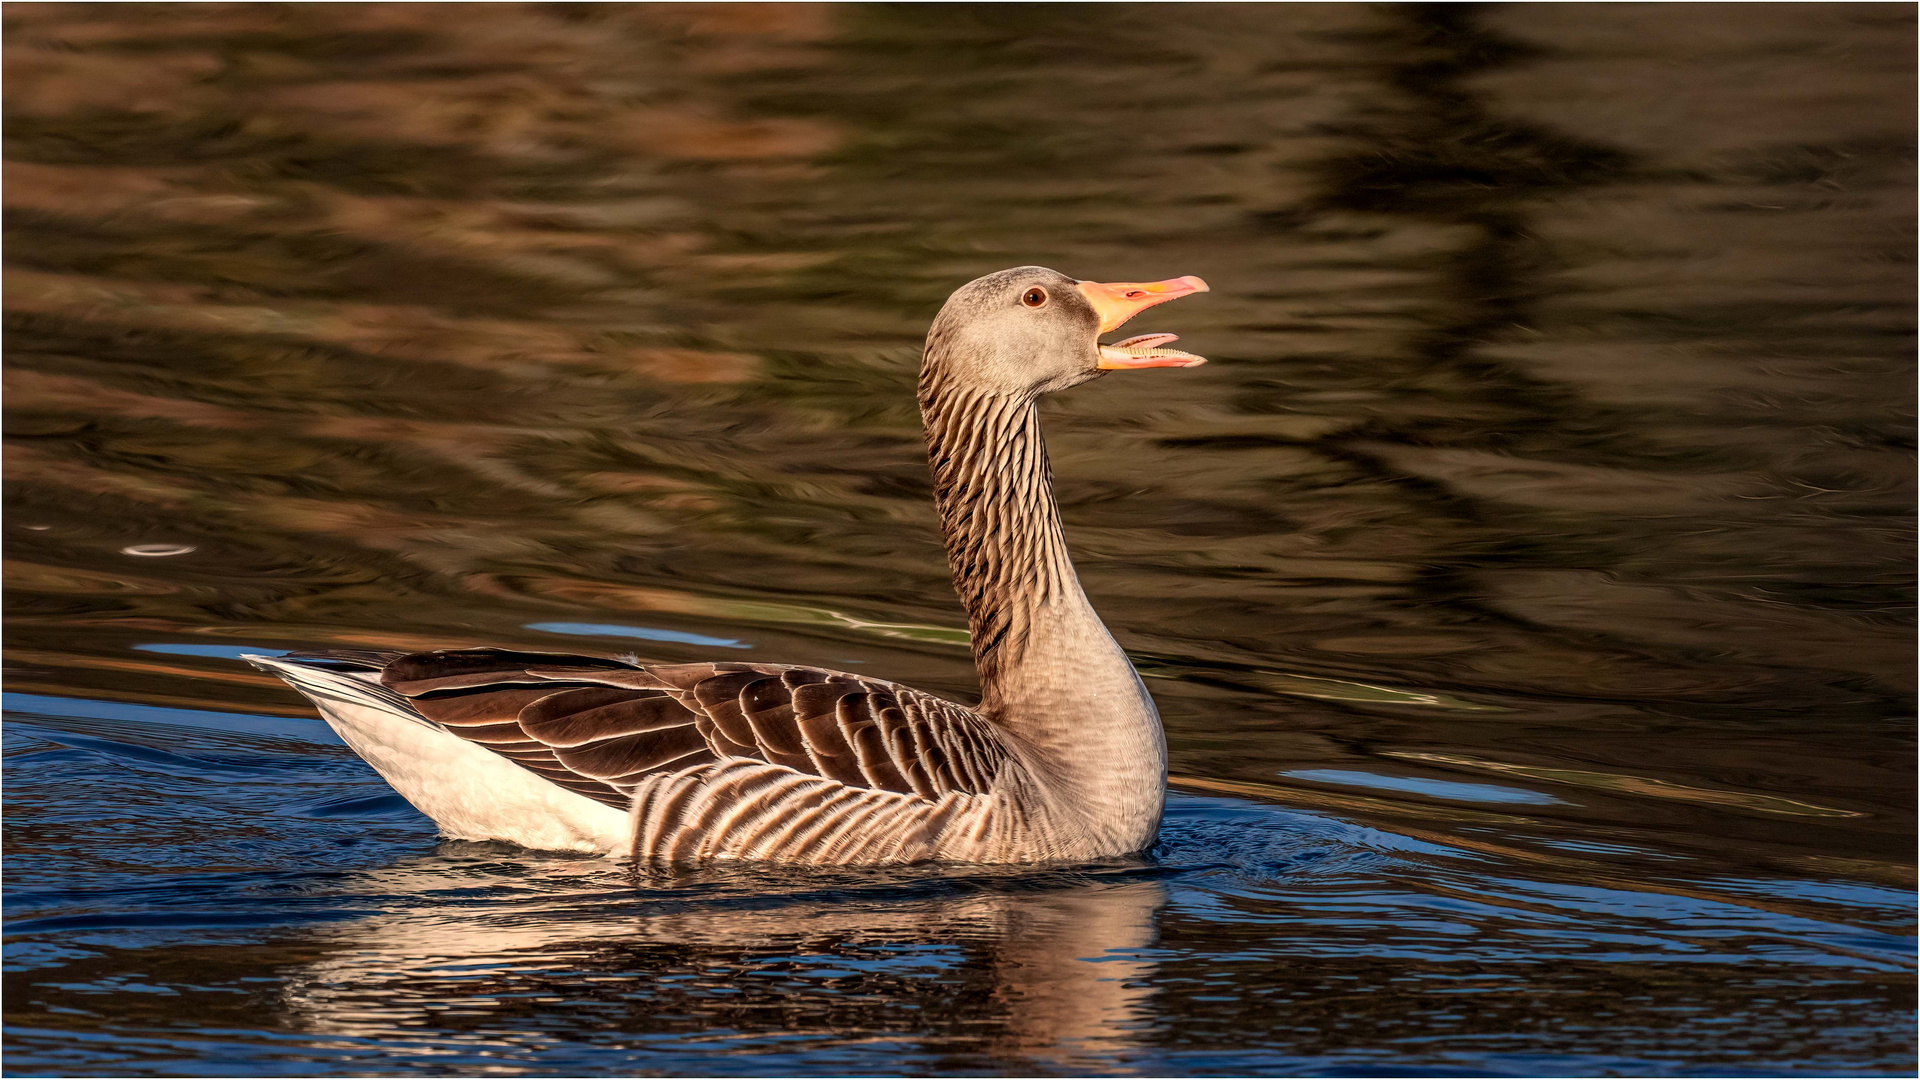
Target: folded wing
601,727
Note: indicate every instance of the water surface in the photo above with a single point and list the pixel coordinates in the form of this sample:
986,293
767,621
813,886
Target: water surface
1527,582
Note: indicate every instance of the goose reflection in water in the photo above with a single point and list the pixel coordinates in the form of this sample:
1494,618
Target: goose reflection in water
1043,968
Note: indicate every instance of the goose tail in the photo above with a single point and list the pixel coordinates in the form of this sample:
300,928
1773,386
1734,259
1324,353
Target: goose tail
471,792
350,678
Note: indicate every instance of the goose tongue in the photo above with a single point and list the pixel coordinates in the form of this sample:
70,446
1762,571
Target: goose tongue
1144,351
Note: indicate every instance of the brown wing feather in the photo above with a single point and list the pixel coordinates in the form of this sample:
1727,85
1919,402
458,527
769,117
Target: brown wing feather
599,726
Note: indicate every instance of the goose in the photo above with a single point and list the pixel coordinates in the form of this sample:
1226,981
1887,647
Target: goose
1063,759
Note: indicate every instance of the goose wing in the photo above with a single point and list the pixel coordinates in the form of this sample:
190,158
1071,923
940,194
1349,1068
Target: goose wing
600,727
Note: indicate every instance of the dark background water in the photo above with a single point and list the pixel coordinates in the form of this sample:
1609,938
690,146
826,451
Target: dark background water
1527,583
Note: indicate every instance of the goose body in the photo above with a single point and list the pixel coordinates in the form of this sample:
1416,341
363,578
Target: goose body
1063,759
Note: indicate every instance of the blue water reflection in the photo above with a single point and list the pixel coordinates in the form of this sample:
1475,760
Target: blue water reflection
643,633
378,947
1439,789
228,652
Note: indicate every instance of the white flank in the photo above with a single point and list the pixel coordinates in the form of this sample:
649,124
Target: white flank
471,792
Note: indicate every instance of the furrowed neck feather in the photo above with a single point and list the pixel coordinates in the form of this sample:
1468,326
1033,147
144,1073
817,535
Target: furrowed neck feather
993,488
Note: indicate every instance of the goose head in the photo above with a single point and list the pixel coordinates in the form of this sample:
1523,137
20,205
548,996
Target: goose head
1031,330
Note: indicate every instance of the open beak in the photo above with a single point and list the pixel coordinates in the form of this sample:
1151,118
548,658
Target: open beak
1116,302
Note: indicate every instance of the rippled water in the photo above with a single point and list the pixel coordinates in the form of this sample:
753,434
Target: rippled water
1527,583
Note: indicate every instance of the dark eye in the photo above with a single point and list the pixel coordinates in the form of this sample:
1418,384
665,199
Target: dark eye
1034,297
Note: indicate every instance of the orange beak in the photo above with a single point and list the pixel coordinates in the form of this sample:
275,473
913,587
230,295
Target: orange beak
1116,302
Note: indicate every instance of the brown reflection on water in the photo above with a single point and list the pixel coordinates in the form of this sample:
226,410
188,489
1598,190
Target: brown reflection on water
1559,420
1050,977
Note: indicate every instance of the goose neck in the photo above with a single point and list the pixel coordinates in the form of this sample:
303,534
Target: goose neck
993,488
1049,671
